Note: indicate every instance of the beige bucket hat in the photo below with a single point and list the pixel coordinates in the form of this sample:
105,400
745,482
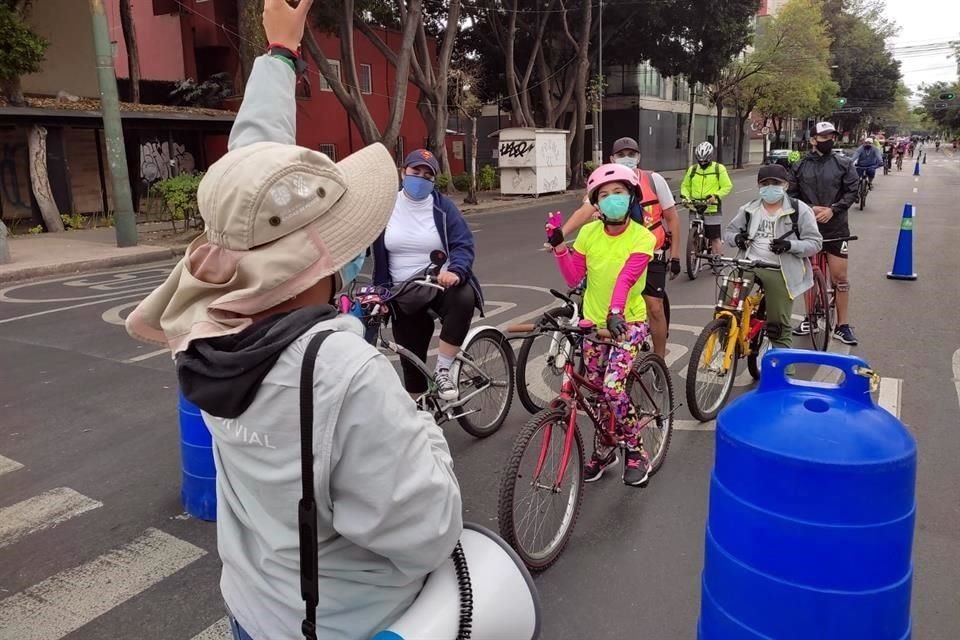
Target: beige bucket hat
279,218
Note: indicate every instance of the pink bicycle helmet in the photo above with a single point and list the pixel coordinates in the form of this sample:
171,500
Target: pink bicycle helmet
608,173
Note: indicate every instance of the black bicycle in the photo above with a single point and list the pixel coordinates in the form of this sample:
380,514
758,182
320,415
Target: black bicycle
697,243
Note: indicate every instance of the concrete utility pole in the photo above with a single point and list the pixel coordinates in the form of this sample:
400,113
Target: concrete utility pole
124,218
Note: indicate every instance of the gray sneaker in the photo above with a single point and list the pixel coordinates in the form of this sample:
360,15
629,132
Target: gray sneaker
802,329
445,387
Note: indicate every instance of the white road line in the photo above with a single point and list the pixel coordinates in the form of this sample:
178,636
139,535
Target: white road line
7,465
956,371
65,602
69,307
889,395
145,356
915,190
219,630
44,511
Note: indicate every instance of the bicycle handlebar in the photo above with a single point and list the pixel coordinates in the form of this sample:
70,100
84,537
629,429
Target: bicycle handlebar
740,262
845,239
526,328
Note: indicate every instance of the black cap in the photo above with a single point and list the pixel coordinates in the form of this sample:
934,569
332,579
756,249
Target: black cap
770,171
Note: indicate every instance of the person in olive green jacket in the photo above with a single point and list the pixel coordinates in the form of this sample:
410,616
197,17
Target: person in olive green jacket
708,180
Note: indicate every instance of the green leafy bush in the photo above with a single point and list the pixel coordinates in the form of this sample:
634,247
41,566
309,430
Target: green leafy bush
179,195
443,181
74,220
487,178
462,182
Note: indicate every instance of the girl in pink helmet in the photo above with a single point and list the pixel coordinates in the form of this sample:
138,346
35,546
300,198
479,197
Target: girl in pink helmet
613,253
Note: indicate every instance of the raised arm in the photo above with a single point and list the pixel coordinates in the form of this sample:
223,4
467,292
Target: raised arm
269,109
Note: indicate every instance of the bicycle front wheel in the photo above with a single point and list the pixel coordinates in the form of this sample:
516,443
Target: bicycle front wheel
536,512
863,194
651,392
709,383
818,314
486,376
540,364
694,240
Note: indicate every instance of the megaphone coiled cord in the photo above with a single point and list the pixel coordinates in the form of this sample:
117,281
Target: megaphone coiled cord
465,630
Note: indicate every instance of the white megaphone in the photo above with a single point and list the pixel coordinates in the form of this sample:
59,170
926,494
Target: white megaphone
484,590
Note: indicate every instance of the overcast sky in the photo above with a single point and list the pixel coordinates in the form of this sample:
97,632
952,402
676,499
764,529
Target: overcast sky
924,25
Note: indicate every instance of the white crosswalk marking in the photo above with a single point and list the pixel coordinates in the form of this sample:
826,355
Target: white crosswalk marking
65,602
7,465
46,510
219,630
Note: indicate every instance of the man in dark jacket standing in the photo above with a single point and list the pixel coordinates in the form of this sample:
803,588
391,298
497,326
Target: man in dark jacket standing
828,183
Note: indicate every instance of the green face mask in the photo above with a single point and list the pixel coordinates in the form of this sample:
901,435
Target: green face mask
615,207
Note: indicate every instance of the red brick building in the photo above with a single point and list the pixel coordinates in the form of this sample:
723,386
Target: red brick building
202,37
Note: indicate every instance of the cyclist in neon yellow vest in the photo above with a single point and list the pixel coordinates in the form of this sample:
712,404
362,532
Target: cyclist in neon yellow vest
708,180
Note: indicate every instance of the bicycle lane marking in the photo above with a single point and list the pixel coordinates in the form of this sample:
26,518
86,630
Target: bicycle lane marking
956,372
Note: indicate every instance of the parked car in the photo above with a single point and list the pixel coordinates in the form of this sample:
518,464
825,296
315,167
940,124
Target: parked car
778,156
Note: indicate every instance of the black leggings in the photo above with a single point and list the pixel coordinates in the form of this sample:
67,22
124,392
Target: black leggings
414,330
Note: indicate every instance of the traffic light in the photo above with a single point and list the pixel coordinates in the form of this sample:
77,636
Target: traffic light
841,102
948,96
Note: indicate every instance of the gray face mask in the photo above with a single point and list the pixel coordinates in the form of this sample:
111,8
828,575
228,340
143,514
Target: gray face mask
631,162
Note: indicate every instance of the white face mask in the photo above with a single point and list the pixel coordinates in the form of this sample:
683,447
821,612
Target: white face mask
630,162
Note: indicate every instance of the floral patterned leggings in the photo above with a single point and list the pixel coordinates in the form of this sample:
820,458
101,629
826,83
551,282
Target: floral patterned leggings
609,367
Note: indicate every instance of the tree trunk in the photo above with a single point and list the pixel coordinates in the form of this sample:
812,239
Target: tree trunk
582,79
472,195
693,96
777,130
4,246
40,180
13,92
719,132
741,126
133,53
253,42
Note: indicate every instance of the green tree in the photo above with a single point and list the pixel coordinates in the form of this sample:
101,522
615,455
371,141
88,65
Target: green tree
796,79
866,73
21,50
943,114
697,40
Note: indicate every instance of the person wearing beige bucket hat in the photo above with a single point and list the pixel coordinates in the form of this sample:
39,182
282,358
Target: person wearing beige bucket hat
238,312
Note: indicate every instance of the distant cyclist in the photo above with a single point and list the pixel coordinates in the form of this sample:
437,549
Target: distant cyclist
867,160
708,180
888,150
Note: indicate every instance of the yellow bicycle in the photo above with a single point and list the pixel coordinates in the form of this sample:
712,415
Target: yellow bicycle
738,329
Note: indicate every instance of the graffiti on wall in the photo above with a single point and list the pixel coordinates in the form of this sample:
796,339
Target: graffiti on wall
9,179
515,149
551,153
157,163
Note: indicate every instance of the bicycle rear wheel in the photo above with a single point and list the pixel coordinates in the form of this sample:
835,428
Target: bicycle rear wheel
535,518
818,314
694,261
708,384
487,372
540,364
651,391
863,194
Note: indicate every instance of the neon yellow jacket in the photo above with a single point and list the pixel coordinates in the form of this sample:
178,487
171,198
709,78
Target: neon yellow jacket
700,184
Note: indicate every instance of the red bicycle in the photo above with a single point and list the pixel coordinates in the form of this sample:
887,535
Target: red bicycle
821,300
541,490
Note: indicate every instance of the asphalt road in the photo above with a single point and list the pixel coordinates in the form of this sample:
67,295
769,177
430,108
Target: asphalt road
94,544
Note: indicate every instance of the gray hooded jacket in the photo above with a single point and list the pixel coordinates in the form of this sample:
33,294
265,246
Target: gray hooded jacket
795,263
389,505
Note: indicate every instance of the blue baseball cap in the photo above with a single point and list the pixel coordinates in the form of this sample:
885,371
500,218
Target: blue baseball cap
422,158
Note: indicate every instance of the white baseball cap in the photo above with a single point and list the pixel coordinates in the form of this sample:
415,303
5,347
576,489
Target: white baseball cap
824,127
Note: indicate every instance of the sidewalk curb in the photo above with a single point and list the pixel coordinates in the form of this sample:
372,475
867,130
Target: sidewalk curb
96,264
497,206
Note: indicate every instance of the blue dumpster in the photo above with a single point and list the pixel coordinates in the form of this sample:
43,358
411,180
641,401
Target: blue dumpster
812,507
199,487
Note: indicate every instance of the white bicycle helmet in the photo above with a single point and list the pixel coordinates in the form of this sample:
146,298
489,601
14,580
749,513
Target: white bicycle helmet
703,152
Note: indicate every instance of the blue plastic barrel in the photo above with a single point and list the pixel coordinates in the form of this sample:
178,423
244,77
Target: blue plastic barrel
199,488
812,508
